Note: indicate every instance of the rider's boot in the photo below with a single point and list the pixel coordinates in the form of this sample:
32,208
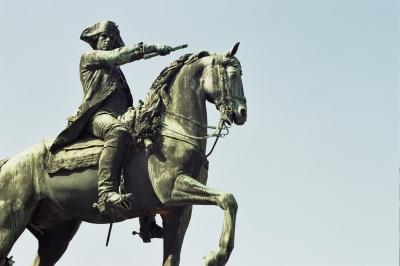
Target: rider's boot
110,170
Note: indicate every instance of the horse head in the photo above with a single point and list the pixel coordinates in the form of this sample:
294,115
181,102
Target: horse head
222,84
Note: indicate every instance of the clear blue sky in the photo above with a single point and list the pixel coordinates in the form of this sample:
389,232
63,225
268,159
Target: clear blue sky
315,168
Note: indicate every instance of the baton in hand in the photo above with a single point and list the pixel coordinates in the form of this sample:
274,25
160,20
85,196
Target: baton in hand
150,55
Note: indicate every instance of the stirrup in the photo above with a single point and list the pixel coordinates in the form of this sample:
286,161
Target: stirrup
105,206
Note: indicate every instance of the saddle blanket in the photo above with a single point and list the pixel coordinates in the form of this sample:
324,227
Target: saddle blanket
81,153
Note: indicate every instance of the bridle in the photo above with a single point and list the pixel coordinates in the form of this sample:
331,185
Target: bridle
224,105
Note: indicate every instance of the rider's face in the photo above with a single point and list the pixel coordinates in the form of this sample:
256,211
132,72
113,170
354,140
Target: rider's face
105,42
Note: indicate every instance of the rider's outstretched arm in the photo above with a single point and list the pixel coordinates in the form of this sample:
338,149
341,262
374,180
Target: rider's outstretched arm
121,56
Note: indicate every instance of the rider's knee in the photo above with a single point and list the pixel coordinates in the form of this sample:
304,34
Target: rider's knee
121,131
117,136
118,131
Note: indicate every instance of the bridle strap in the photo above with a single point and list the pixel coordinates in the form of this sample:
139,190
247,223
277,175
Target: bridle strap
188,119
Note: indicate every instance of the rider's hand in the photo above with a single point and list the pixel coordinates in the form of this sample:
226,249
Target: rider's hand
163,49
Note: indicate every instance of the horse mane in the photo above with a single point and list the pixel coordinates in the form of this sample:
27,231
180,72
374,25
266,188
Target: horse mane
158,93
147,122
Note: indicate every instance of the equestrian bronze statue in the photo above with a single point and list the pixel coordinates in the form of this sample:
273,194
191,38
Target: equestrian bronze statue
51,187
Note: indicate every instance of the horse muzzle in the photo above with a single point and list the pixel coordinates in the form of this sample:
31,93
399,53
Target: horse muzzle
240,115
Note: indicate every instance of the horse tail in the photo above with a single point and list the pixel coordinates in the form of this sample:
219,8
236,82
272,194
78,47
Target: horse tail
3,162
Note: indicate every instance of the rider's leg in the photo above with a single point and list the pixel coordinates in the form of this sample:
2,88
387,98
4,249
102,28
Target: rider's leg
115,136
110,164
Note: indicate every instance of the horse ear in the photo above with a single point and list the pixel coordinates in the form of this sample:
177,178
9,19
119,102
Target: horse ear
233,50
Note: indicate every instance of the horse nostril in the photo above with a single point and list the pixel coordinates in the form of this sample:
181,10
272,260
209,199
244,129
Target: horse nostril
243,112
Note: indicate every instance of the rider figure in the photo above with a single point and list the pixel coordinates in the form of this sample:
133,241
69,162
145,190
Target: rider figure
106,96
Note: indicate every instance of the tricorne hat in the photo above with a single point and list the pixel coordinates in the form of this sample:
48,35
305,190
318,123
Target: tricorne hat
105,26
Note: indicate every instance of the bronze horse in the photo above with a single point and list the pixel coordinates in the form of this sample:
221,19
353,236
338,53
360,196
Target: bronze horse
166,180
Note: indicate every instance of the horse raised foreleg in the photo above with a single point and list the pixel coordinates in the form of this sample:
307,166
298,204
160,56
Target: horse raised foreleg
175,224
187,190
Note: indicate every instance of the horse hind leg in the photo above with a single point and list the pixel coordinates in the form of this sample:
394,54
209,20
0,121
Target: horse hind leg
16,205
54,230
53,241
12,224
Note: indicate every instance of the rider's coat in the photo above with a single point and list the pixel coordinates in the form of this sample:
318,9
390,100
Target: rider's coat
100,76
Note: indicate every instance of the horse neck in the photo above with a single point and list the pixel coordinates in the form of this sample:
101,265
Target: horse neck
187,97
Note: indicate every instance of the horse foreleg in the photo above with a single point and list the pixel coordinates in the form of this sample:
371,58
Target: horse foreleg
53,241
174,226
187,190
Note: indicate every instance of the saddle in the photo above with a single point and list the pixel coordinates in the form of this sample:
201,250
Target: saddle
83,152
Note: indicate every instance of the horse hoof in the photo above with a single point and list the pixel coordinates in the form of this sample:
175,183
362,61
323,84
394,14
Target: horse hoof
214,259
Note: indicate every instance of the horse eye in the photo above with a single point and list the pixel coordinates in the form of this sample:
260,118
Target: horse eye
233,75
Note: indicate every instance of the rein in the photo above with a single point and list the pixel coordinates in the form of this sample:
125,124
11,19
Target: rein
219,128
